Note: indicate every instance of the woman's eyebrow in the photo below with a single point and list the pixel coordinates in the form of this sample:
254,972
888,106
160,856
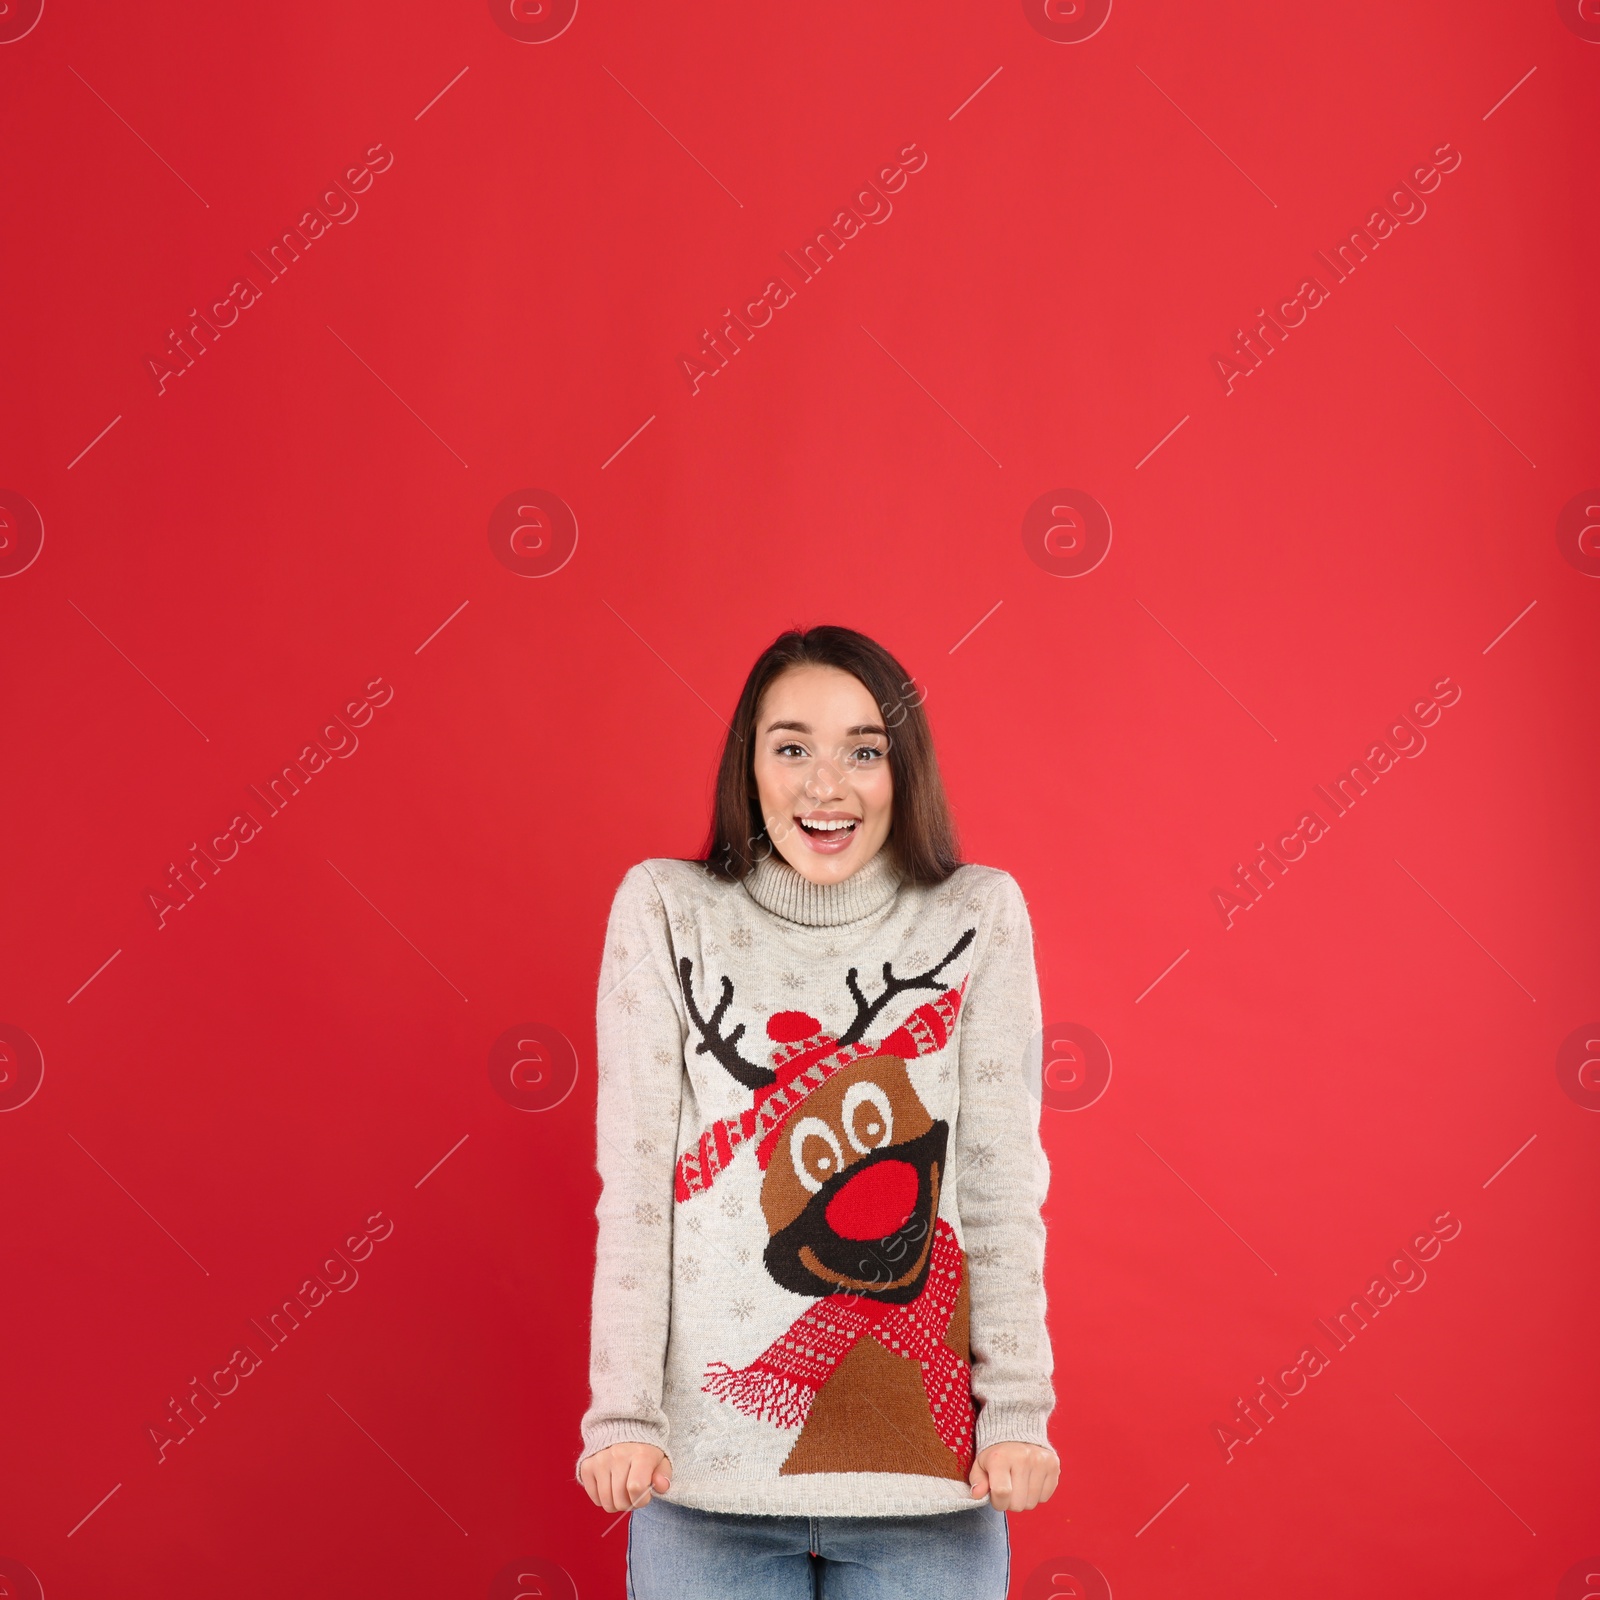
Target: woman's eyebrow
805,727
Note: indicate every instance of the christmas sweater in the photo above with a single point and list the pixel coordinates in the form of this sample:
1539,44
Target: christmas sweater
819,1276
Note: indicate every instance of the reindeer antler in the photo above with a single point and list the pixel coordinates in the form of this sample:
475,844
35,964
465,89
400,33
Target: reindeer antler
722,1048
866,1012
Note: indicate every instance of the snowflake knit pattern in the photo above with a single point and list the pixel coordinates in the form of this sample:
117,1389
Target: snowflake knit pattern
819,1275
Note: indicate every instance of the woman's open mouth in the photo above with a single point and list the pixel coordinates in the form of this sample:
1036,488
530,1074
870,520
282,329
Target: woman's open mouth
829,835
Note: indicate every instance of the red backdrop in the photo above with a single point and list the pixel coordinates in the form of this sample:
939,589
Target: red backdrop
470,502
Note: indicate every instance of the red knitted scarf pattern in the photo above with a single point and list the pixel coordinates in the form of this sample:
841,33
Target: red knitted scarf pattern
780,1384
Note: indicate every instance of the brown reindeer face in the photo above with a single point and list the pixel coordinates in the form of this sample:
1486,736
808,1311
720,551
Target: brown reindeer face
852,1186
852,1181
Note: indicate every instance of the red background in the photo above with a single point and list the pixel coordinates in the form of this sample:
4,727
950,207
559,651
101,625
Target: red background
301,1046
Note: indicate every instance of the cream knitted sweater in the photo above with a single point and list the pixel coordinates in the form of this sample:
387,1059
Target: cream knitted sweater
819,1279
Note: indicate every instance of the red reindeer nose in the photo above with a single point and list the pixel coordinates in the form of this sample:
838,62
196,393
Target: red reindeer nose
876,1202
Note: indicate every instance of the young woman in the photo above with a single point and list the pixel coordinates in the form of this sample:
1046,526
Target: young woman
819,1362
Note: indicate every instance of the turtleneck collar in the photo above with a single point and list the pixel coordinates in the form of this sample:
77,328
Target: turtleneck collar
777,887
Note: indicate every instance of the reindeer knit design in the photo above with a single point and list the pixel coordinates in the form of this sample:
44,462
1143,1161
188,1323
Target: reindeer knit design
927,1028
819,1278
783,1380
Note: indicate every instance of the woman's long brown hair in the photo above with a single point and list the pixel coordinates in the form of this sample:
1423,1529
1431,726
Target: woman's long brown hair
922,835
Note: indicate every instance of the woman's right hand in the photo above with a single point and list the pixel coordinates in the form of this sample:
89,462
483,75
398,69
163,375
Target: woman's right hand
620,1477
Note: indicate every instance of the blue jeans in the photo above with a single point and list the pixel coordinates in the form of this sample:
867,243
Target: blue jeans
679,1553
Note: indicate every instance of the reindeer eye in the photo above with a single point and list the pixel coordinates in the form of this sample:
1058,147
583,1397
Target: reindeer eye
868,1122
814,1149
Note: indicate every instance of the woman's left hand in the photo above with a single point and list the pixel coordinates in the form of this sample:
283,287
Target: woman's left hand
1016,1477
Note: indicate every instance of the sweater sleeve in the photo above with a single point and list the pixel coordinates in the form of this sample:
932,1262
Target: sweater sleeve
1001,1175
639,1031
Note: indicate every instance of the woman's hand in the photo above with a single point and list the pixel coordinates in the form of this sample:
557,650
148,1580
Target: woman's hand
620,1477
1016,1477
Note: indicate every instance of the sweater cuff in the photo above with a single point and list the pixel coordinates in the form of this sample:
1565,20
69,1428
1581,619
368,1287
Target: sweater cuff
619,1430
1011,1424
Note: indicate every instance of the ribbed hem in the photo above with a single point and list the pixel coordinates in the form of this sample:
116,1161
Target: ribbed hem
777,887
1014,1424
622,1430
823,1494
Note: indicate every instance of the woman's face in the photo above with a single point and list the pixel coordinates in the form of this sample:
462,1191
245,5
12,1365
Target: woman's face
822,756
